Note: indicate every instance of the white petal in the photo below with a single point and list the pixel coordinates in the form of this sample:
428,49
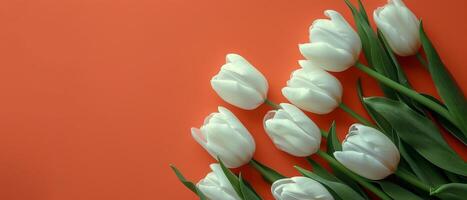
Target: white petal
235,124
310,100
226,143
362,164
302,120
399,26
237,94
290,138
327,57
201,139
317,77
247,72
372,142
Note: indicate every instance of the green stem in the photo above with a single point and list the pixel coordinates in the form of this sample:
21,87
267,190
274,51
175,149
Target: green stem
362,181
412,180
408,92
421,60
355,114
323,133
272,104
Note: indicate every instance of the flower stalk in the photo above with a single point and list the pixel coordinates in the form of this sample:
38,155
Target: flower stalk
408,92
272,104
412,180
355,114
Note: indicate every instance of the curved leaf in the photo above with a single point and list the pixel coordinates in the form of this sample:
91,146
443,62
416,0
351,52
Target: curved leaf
341,177
451,191
447,88
188,184
333,143
419,132
267,173
343,191
397,192
247,191
451,128
233,179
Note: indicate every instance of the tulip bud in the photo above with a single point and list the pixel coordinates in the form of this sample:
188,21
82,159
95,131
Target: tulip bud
334,45
292,131
224,136
399,26
240,83
313,89
368,152
216,185
299,188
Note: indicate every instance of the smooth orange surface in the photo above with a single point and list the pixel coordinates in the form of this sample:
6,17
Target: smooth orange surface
97,96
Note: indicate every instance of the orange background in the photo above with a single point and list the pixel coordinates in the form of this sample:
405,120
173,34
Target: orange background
97,97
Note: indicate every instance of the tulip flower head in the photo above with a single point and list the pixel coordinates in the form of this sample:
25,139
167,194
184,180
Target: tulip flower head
368,152
334,45
216,185
299,188
399,26
292,131
240,83
224,136
313,89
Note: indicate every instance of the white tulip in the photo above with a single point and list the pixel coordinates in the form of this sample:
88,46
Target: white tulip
216,185
240,83
399,26
313,89
224,136
368,152
334,45
292,131
299,188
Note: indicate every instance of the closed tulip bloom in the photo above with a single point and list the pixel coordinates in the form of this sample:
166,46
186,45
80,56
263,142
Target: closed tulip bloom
368,152
240,83
313,89
224,136
216,185
334,45
399,26
299,188
292,131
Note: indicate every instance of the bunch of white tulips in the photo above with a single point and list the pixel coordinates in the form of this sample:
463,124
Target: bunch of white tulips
370,151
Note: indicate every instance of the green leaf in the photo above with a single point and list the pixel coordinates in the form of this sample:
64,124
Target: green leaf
188,184
343,191
451,128
451,191
363,11
233,179
247,191
333,143
422,168
419,132
447,88
320,171
267,173
323,173
397,192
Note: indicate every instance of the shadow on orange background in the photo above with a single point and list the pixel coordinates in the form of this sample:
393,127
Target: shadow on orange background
97,96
